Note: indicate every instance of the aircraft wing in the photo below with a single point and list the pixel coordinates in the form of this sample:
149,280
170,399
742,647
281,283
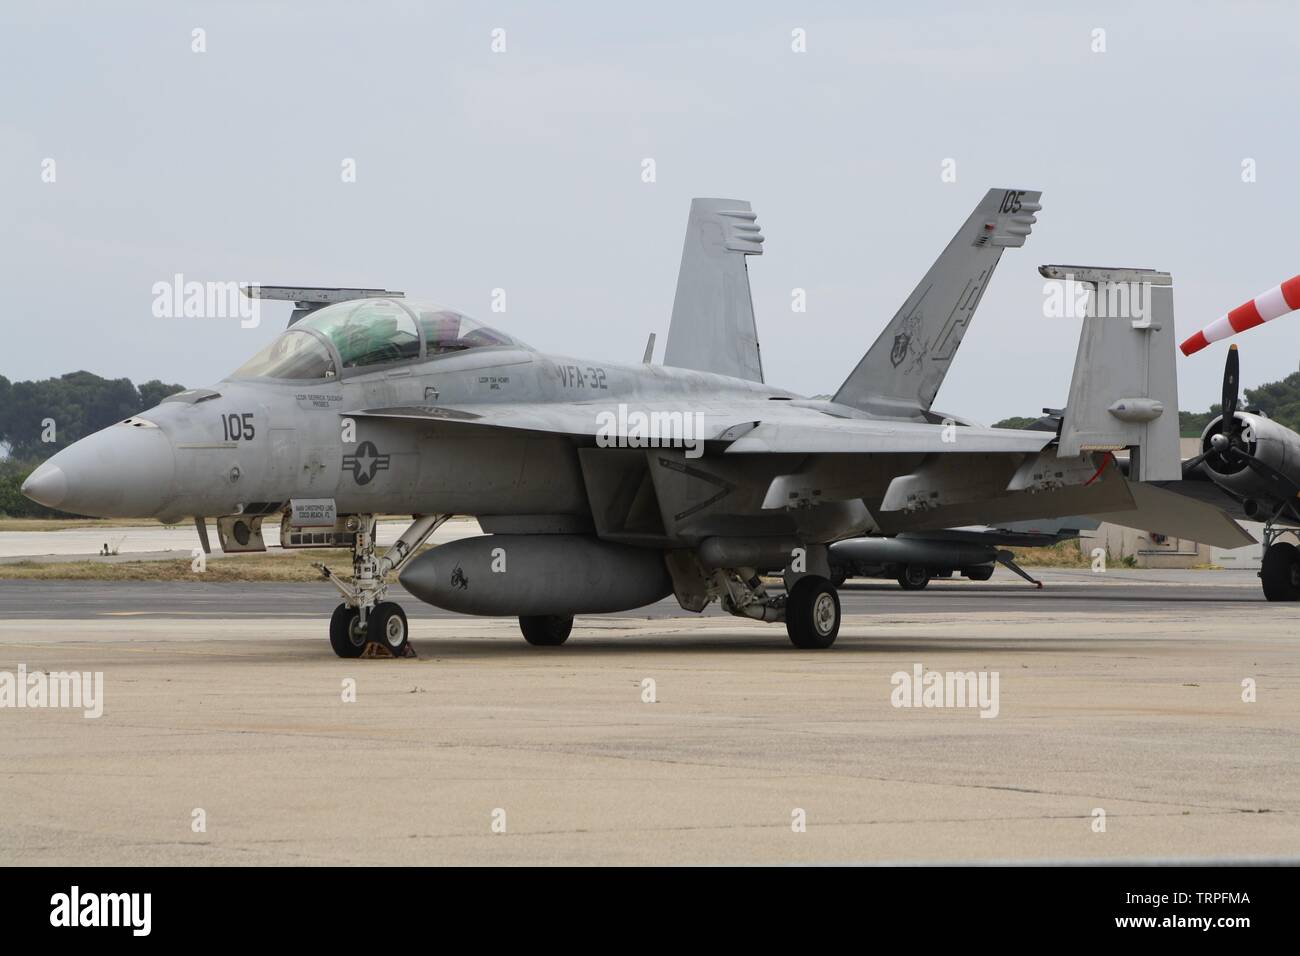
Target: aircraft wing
744,427
912,476
856,436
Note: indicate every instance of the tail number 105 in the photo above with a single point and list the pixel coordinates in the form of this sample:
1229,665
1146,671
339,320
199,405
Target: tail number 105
238,427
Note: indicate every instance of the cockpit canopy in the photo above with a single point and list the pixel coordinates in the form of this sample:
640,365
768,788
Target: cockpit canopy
365,332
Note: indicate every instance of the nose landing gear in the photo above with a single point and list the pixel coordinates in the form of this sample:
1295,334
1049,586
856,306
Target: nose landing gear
365,621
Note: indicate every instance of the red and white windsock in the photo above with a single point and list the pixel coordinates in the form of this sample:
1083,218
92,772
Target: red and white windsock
1278,300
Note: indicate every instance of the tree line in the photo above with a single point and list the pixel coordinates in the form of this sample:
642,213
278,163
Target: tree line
1280,401
38,418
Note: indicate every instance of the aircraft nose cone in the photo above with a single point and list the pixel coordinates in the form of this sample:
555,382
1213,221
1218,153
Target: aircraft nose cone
47,485
122,471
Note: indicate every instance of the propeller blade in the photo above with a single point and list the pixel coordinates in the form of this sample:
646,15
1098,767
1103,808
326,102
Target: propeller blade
1231,374
1191,464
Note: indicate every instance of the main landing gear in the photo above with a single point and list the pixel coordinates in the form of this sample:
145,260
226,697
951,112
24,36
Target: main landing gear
1279,572
810,609
365,618
812,613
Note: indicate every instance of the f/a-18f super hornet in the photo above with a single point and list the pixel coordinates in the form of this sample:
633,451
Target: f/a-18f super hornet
604,486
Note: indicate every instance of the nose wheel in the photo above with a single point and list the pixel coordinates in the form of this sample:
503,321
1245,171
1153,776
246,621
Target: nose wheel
385,626
365,619
346,636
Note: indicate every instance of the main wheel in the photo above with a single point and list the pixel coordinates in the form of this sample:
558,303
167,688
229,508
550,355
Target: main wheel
346,636
386,625
913,577
1280,572
812,613
546,630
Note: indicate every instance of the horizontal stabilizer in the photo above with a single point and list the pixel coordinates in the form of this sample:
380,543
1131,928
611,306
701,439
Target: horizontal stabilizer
1111,498
1177,516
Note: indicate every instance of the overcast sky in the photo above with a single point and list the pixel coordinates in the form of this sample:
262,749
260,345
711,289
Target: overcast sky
522,170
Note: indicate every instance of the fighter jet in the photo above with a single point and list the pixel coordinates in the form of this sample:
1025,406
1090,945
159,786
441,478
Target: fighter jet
604,486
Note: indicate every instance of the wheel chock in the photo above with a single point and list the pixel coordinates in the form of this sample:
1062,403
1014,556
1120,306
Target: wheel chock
377,651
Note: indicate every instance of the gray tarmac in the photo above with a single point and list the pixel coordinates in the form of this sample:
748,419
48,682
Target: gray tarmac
1065,590
1120,693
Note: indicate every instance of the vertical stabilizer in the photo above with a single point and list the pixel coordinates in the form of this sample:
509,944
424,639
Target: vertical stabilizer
1124,391
901,373
713,327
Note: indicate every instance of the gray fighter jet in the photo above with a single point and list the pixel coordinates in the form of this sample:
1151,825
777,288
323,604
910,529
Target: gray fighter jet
604,486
